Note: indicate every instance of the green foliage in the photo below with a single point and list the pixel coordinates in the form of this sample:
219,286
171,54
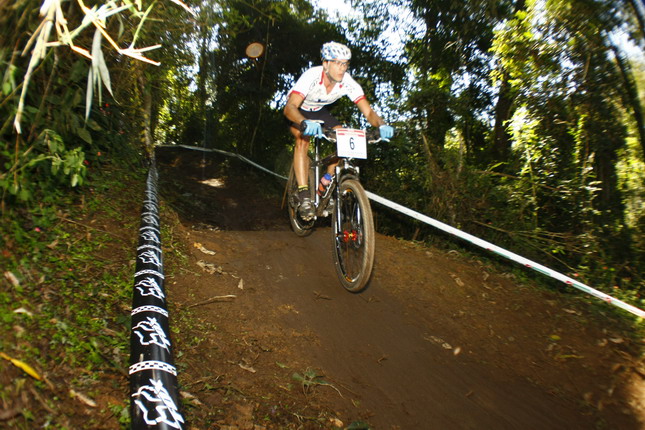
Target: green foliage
72,324
520,122
52,143
247,90
43,166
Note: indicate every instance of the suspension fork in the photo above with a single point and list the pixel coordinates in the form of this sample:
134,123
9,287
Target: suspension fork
344,170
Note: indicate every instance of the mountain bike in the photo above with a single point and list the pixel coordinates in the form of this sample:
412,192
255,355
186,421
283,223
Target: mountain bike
352,226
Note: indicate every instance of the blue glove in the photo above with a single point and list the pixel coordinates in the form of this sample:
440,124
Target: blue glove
311,128
387,132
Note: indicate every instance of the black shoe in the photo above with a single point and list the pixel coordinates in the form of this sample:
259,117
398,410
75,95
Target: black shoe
306,209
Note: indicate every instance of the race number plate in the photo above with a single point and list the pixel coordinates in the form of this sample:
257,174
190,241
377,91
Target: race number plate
351,143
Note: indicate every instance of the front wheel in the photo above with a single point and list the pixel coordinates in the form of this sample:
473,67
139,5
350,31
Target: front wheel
353,236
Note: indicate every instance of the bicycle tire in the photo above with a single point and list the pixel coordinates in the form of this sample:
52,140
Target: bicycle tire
298,225
353,236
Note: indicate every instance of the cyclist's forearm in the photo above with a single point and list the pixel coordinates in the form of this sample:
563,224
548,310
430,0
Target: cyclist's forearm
375,120
293,114
292,111
372,117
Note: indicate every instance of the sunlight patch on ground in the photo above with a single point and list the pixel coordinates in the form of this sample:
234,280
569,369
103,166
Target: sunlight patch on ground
214,182
637,402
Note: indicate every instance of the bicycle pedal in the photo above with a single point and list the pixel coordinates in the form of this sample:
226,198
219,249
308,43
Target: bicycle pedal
329,208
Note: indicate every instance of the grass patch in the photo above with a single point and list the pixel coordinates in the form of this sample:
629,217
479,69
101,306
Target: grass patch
65,299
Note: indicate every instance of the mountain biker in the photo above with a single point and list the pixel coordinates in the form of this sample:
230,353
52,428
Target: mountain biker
307,100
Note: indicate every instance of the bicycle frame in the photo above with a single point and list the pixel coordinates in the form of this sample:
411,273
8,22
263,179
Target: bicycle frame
345,169
352,223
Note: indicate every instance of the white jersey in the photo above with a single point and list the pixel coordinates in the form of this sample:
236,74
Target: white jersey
311,87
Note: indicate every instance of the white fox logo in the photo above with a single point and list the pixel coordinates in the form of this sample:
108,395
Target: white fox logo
150,287
151,333
150,257
157,405
150,236
150,220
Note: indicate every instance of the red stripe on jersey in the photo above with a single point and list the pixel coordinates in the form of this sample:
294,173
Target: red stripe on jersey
360,98
296,92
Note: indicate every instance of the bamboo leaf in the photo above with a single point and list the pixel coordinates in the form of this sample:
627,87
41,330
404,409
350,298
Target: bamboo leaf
99,68
104,72
89,93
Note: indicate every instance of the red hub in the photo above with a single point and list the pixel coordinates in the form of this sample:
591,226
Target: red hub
350,236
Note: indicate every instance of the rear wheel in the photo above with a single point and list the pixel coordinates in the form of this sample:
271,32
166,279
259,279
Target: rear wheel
353,236
298,225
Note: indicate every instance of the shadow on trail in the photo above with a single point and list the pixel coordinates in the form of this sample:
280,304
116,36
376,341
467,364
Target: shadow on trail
204,189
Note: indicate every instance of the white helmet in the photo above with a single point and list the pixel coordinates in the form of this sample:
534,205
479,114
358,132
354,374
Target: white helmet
335,51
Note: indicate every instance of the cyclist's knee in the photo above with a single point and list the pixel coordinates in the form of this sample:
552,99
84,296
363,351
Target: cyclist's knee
302,143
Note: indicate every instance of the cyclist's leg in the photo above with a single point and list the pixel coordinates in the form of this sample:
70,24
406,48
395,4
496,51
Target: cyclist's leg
300,158
330,121
301,170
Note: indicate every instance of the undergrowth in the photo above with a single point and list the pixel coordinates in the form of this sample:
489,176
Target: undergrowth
65,298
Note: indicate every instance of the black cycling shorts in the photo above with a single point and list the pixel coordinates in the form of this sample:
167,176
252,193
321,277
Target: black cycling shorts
323,115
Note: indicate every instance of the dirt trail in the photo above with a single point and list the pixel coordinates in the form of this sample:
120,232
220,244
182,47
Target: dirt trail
437,341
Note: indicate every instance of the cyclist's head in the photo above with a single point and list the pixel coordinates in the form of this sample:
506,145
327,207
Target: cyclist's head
335,51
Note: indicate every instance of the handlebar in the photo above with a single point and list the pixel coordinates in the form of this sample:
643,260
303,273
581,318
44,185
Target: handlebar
372,135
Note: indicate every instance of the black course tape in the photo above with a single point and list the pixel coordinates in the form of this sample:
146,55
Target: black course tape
154,401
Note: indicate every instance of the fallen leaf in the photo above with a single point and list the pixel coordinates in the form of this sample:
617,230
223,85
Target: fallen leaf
203,249
22,365
321,296
83,398
190,397
12,278
247,368
439,341
457,280
240,284
336,423
209,267
23,311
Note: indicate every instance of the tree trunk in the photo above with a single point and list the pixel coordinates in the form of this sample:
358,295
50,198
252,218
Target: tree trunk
630,95
504,109
503,112
147,115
